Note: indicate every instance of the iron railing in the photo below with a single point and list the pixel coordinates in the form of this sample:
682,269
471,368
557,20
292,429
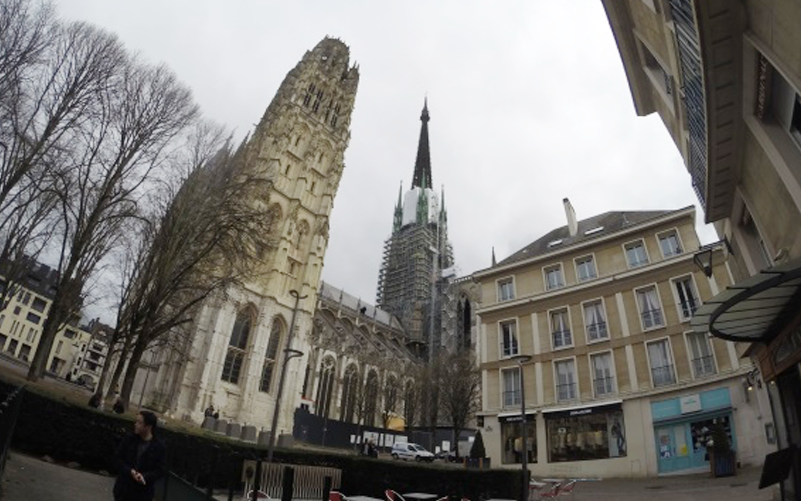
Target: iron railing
663,375
652,318
703,366
566,391
561,338
597,331
604,385
511,398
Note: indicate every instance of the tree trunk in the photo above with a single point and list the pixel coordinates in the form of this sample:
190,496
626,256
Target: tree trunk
115,378
130,374
101,392
52,322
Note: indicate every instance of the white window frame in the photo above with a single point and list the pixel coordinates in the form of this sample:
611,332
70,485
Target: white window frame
591,255
626,254
498,288
639,310
679,310
514,321
611,354
553,266
675,231
577,394
671,356
502,399
572,344
688,344
606,320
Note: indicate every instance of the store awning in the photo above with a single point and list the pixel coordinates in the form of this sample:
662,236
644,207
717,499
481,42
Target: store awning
755,309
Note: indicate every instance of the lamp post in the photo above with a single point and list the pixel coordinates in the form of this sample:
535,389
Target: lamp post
289,354
521,359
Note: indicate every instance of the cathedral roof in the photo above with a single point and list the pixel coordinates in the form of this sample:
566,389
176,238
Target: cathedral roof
588,229
332,293
422,166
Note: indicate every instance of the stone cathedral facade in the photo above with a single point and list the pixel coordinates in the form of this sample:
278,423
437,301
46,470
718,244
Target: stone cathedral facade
239,337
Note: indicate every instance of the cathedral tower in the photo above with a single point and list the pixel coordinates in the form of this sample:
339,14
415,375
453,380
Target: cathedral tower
239,336
409,282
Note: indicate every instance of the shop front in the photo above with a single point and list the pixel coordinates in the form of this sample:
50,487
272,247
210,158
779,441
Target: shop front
586,433
512,438
683,428
765,310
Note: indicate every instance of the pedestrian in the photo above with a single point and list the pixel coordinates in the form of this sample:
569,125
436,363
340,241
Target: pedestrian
94,402
140,461
209,412
118,407
216,415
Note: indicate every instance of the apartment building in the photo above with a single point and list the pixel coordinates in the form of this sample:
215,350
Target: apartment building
596,315
725,78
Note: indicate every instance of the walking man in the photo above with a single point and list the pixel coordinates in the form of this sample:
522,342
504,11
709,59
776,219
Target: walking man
140,461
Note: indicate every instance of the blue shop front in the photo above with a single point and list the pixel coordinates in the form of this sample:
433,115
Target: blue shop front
683,428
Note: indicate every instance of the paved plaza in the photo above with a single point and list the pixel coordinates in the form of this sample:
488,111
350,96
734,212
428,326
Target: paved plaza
29,478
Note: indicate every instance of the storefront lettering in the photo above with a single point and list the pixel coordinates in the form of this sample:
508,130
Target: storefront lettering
581,412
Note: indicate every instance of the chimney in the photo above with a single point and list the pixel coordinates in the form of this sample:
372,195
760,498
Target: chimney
572,223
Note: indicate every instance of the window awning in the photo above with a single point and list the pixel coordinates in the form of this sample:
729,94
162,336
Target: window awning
755,309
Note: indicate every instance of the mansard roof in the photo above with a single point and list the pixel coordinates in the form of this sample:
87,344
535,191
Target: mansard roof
588,229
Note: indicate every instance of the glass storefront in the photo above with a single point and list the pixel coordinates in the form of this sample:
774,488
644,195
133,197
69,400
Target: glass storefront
512,439
589,433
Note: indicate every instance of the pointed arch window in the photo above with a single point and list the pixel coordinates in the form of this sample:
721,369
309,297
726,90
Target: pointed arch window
271,355
335,116
326,386
350,390
310,91
317,101
390,398
237,346
370,398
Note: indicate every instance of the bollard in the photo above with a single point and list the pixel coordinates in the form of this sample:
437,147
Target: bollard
257,481
210,488
326,488
287,486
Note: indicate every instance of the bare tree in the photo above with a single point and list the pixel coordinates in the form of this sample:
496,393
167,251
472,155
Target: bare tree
212,234
118,138
390,399
460,391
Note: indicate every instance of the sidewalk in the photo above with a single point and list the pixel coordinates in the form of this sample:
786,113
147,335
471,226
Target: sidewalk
28,478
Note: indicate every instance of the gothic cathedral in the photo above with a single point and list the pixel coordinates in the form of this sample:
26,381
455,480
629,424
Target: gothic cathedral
239,336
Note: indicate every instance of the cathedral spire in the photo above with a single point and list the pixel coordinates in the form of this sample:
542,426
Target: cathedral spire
398,220
422,166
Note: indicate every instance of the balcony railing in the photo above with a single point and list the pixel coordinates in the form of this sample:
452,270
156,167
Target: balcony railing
511,398
597,331
562,338
604,385
652,318
509,349
566,391
663,375
689,306
703,366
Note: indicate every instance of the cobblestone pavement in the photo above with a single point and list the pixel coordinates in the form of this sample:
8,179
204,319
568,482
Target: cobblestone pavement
27,478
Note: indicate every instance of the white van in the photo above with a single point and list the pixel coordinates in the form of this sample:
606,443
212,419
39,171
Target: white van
402,450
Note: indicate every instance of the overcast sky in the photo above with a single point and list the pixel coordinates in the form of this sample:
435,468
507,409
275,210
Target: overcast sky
528,100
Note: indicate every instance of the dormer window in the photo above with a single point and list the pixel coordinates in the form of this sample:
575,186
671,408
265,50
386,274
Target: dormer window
554,243
593,231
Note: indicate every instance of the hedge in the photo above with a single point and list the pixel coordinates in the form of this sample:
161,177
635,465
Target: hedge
68,432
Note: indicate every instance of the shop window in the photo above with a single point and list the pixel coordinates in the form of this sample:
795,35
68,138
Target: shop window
24,352
512,440
586,434
12,346
701,432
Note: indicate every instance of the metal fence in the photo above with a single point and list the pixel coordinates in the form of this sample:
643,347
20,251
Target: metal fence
309,481
9,410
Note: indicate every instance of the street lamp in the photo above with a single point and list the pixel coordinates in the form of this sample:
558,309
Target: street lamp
703,257
289,354
521,359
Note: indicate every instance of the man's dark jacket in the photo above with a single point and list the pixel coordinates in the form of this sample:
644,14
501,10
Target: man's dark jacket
151,465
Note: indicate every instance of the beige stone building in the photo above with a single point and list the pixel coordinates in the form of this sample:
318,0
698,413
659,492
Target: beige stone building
239,337
725,78
616,383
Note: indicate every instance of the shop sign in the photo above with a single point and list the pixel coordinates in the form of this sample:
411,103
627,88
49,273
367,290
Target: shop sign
585,411
517,418
690,403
